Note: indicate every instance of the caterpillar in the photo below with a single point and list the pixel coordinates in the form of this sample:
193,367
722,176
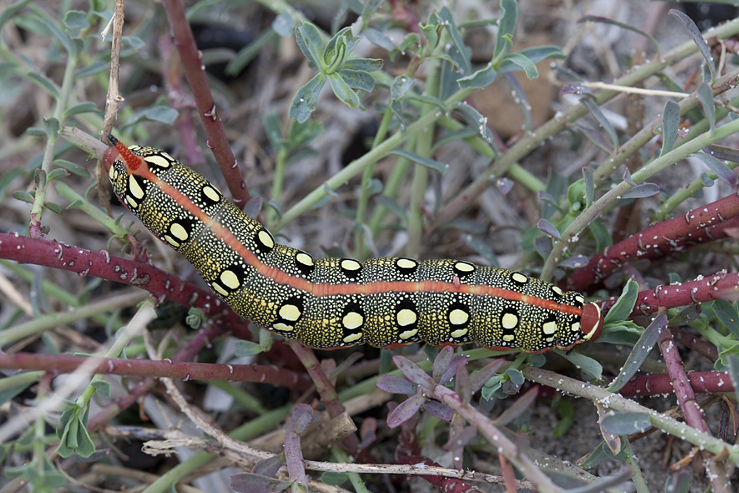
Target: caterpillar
330,303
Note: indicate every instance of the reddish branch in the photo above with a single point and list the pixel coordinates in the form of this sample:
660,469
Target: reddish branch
693,413
64,363
709,222
195,73
701,382
719,286
161,285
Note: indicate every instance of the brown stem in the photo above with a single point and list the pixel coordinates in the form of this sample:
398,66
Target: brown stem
105,266
195,73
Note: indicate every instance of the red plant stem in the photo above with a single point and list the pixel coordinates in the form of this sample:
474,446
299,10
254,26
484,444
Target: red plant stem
704,223
64,363
161,285
195,73
172,76
701,382
718,286
698,345
691,410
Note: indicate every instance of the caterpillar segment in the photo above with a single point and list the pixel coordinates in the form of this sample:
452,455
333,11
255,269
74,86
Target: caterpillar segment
331,303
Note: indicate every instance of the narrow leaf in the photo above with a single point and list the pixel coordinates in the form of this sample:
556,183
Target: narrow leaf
429,163
727,314
406,410
515,62
306,99
626,423
343,91
705,95
478,79
641,191
413,372
640,352
670,124
601,119
719,168
549,228
396,385
695,33
439,410
605,20
624,304
246,482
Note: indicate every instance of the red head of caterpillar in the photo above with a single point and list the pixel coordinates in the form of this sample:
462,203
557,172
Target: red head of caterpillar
330,303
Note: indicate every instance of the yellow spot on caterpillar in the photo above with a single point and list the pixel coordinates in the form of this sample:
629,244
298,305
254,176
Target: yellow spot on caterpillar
304,258
352,337
580,299
458,317
158,160
509,321
230,279
549,339
575,327
352,320
211,193
519,278
549,328
350,264
179,231
289,312
135,188
218,289
459,333
172,241
113,173
557,291
408,334
509,337
464,267
406,317
407,263
283,327
266,239
132,202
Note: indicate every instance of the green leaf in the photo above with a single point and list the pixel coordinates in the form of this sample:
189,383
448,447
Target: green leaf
506,29
75,20
334,478
310,43
357,80
273,130
246,348
605,20
102,388
378,38
461,54
670,125
284,24
640,352
584,363
54,31
91,69
55,174
517,61
705,95
44,83
306,99
363,64
73,168
475,120
23,196
695,33
429,163
601,119
727,314
343,91
733,365
10,11
400,86
479,79
719,168
623,307
626,423
161,113
133,42
86,107
7,178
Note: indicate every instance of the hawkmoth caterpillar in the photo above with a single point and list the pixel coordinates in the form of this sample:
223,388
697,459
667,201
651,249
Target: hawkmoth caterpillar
330,303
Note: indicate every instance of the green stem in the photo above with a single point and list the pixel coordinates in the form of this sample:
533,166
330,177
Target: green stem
636,475
277,182
340,456
599,206
392,186
357,166
360,248
47,322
